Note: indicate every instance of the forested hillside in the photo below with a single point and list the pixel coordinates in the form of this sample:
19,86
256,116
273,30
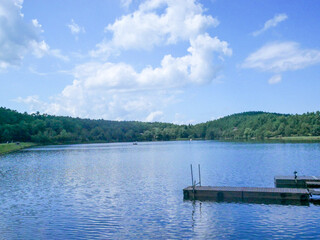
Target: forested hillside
261,125
42,128
38,128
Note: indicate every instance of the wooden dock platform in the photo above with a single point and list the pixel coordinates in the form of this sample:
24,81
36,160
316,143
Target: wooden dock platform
246,194
299,182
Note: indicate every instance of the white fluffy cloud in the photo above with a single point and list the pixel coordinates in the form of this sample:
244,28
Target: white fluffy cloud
33,102
155,23
15,34
37,24
198,67
18,37
40,49
271,23
154,116
281,57
275,79
75,28
118,91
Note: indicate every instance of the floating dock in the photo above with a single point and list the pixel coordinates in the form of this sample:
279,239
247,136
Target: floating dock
246,194
288,189
297,182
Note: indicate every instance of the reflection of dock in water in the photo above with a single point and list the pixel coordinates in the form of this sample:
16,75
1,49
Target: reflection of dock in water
288,190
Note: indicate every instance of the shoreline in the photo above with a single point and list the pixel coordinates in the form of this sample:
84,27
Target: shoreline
6,148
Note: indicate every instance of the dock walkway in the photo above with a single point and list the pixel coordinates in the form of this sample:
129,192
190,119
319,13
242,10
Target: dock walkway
301,190
299,182
245,194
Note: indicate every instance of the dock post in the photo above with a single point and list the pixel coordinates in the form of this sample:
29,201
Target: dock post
191,175
295,177
193,183
199,175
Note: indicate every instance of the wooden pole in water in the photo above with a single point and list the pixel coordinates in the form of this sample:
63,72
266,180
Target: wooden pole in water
193,183
199,175
191,175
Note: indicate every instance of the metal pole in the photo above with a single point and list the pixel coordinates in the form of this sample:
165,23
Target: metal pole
199,175
191,175
193,184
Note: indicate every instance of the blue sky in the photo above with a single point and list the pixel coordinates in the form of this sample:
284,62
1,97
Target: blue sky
180,61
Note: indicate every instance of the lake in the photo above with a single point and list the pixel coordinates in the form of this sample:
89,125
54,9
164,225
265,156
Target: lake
126,191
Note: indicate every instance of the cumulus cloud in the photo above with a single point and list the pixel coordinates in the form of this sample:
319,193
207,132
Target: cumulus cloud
118,91
33,102
75,28
18,37
105,104
104,89
200,66
40,49
37,24
15,34
271,23
154,116
281,57
155,23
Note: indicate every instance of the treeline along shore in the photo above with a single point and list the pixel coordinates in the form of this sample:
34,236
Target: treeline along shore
48,129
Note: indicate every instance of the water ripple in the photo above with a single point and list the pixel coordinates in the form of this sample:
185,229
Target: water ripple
122,191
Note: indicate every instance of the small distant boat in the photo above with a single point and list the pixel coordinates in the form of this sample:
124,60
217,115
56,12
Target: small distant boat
135,143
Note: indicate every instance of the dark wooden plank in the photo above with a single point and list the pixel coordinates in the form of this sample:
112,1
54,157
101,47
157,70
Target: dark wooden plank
313,184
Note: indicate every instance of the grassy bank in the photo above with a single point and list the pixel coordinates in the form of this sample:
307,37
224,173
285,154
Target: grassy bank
11,147
302,138
296,139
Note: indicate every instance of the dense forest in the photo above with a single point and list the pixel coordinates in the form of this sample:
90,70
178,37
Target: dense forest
48,129
261,125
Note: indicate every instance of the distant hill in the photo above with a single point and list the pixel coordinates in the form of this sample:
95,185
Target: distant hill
262,125
45,128
48,129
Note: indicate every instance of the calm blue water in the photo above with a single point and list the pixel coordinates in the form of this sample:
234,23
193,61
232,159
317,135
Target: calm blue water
125,191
